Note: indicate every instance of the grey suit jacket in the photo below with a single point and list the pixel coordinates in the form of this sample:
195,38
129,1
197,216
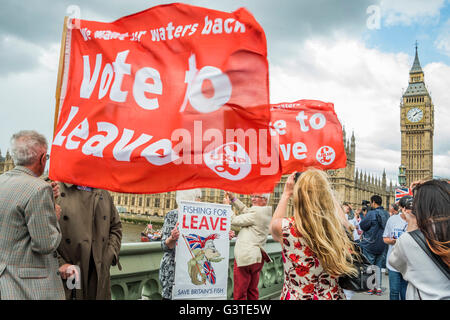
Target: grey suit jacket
29,237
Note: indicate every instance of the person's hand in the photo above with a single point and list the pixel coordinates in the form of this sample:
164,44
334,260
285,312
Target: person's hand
55,188
392,238
230,195
389,240
67,270
226,199
415,184
231,234
289,186
175,234
57,211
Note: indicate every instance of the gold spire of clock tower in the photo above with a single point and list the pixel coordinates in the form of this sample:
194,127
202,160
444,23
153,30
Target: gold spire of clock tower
417,126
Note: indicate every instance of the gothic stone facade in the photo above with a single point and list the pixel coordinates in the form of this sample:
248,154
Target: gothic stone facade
6,163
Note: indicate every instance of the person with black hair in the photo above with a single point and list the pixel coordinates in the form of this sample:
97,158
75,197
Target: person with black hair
405,203
364,210
372,243
393,209
425,264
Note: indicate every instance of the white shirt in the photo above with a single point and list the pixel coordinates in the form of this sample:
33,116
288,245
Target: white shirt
395,227
422,274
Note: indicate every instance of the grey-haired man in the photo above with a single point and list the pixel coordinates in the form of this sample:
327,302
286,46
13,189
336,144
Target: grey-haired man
29,228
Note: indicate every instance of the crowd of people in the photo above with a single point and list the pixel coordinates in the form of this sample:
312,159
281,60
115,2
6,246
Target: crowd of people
321,237
59,241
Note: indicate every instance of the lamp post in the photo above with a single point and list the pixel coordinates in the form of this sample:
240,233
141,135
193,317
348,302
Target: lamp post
402,175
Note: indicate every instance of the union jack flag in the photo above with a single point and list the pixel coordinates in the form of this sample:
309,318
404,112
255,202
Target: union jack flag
209,272
401,192
198,242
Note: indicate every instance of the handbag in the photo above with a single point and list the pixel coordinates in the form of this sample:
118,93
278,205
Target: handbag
418,236
361,281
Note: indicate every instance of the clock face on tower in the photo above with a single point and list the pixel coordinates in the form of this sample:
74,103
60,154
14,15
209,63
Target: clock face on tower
414,115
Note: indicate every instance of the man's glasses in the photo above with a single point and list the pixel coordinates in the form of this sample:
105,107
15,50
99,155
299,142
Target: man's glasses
259,197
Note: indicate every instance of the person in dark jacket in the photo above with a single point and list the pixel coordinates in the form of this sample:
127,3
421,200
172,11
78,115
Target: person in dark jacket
372,242
91,240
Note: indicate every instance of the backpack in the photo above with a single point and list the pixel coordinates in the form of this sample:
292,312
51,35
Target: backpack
361,282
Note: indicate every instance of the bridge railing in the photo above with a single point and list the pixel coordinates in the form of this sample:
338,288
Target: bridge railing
139,278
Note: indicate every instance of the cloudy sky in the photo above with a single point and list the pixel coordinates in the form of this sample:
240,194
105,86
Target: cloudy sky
354,53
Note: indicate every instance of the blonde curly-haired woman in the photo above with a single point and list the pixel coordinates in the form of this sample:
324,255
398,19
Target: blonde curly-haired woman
315,247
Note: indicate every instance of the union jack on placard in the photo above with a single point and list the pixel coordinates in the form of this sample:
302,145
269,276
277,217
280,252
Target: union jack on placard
198,242
401,192
195,241
209,272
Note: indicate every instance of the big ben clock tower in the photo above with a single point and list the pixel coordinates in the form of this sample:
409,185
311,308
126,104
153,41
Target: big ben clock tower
417,126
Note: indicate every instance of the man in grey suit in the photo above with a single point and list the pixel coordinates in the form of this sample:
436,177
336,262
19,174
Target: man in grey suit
29,230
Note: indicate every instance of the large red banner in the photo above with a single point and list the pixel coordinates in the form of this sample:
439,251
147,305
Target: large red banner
310,135
173,97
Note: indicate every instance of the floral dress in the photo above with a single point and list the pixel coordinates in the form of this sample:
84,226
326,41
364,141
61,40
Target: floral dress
304,277
167,267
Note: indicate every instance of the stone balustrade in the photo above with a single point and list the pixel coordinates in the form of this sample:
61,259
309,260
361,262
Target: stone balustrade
140,268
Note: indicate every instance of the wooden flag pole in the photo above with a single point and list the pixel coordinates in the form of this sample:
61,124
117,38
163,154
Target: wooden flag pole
62,53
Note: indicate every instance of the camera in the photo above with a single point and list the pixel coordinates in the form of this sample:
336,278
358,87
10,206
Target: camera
366,205
297,175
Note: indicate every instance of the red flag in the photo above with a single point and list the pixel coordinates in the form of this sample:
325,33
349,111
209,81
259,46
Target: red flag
310,135
165,99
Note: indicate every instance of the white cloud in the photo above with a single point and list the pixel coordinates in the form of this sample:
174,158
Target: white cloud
407,12
28,98
16,54
365,86
442,42
438,82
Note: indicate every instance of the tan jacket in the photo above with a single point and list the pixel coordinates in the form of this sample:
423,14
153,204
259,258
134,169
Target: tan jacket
89,221
29,236
254,223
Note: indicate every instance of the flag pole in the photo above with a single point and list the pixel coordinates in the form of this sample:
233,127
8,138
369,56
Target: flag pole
62,53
